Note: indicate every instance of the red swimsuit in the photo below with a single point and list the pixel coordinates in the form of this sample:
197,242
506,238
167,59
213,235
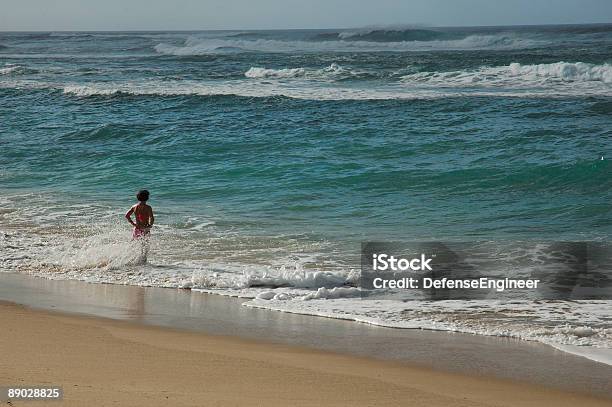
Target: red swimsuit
141,219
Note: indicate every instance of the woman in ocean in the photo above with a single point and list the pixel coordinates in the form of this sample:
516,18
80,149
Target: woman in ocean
144,220
144,216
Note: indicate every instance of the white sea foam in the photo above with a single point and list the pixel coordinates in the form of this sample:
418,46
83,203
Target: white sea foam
89,90
310,92
107,248
517,75
531,81
564,71
336,292
297,278
275,73
245,89
333,71
10,69
222,276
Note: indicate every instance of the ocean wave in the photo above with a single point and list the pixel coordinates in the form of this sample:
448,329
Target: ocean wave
395,34
89,90
299,279
250,34
565,71
11,69
267,90
203,46
252,280
516,74
561,79
310,92
275,73
241,89
333,71
36,35
333,293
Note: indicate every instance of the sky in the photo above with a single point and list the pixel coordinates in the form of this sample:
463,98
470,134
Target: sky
56,15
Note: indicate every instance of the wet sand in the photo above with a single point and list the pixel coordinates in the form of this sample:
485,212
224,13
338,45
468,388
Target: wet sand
106,362
214,350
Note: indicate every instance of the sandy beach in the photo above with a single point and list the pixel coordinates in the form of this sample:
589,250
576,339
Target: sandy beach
104,362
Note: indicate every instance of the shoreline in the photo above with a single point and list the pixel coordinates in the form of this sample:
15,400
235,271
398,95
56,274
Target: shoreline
141,365
512,360
598,355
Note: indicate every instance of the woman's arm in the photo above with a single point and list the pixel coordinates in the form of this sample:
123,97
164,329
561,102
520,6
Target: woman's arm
128,216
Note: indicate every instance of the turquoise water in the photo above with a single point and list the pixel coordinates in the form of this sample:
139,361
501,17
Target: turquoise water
459,167
458,144
326,137
271,155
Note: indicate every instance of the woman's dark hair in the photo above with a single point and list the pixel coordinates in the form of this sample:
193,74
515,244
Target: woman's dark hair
142,195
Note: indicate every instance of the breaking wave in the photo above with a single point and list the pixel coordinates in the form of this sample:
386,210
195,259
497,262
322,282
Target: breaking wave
267,90
275,73
284,277
11,69
517,74
514,80
565,71
391,34
203,46
327,83
333,71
